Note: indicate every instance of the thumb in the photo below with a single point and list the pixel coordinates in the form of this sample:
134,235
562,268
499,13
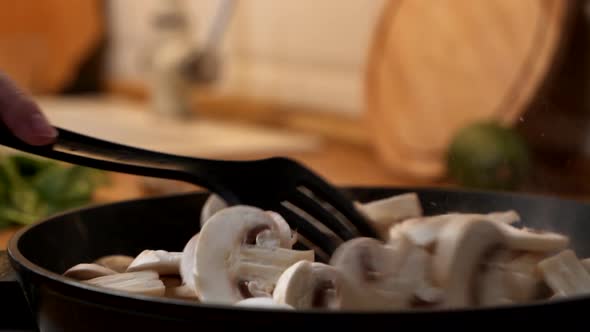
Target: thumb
22,116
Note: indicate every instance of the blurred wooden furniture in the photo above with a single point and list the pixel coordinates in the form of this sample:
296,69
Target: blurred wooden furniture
42,42
436,66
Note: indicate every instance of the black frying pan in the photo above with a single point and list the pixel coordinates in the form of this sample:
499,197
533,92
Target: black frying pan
40,253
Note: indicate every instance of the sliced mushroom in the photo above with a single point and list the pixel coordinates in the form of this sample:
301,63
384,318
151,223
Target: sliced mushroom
310,285
287,237
187,263
213,204
424,231
508,277
181,292
527,239
306,285
235,258
262,302
421,231
171,281
586,264
387,211
117,263
402,269
143,282
367,263
416,275
461,246
524,280
564,274
161,261
88,271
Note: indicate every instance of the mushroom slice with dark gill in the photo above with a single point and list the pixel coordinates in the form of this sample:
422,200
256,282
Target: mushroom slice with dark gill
400,269
239,255
311,285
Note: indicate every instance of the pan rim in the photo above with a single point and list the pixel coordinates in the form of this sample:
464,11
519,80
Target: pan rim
17,257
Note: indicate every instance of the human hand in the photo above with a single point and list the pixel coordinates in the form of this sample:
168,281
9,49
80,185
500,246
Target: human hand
22,116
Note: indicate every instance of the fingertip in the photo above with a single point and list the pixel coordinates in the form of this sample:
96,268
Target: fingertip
27,123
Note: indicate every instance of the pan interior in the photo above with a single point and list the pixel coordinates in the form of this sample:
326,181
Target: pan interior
169,222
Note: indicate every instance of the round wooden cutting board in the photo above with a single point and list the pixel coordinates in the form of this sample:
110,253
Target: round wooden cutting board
436,66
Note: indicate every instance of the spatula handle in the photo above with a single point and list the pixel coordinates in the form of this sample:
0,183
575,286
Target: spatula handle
92,152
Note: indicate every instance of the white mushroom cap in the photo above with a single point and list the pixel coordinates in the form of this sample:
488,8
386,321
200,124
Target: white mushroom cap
565,275
461,247
88,271
262,302
161,261
117,263
143,282
213,204
233,257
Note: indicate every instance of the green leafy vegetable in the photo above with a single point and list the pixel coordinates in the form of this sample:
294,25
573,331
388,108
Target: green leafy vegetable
32,188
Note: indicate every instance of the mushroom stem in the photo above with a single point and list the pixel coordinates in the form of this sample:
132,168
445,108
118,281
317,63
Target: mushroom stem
161,261
263,272
564,274
387,211
275,256
144,282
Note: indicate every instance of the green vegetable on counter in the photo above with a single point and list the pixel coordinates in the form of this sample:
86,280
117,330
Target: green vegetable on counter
32,188
487,155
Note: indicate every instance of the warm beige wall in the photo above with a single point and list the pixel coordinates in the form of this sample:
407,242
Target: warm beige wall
304,51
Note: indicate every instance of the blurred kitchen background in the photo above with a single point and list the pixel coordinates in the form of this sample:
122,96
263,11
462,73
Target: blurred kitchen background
480,94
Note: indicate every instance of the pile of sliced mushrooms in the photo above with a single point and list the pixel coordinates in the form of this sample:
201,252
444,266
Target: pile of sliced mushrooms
450,260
